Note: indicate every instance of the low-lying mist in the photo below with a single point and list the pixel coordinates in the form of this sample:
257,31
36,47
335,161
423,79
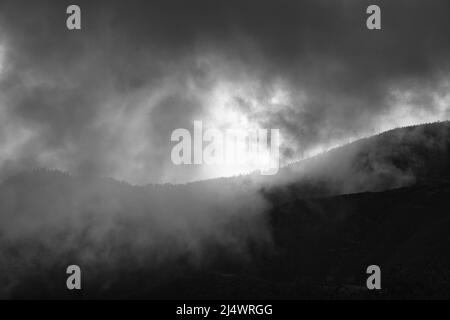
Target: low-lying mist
50,219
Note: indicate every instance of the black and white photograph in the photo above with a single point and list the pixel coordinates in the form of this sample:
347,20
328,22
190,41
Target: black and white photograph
218,150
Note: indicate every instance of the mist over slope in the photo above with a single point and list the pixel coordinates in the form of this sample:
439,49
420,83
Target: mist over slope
101,224
393,159
263,231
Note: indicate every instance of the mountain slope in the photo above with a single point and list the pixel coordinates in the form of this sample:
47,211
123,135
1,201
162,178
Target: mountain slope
308,232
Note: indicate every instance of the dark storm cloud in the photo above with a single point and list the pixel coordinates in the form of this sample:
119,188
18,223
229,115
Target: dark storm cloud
104,99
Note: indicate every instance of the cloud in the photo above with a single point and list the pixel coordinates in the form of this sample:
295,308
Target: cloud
104,100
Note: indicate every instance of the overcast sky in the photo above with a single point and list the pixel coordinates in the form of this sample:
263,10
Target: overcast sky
105,100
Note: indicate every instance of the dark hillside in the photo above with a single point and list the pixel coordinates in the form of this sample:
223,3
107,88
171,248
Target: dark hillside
310,232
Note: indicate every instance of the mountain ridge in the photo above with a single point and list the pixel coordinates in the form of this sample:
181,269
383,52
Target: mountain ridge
287,239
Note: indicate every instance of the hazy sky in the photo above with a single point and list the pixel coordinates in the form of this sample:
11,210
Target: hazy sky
105,100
